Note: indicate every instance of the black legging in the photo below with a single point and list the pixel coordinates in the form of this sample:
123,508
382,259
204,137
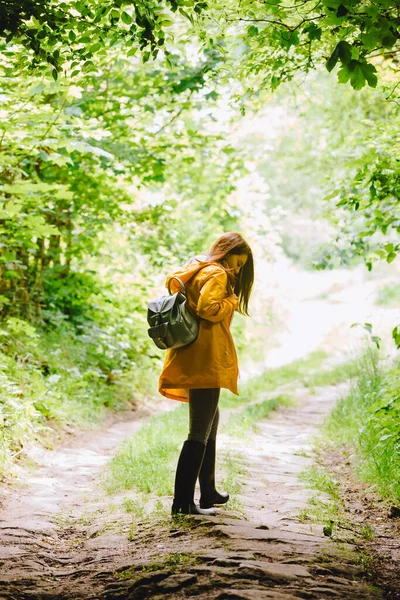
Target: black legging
203,414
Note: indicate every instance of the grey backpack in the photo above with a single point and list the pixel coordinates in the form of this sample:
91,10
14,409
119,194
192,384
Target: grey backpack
172,325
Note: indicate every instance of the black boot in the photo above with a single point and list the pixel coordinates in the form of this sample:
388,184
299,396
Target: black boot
187,471
209,495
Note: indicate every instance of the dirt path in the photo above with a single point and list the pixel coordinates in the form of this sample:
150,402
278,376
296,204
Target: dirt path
60,538
266,554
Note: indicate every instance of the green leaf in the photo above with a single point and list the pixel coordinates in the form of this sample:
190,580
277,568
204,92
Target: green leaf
212,95
289,39
369,40
344,74
37,89
4,300
252,30
369,74
391,256
332,60
54,74
357,79
165,21
186,15
63,193
396,335
342,10
313,32
127,19
389,40
372,191
344,52
96,47
12,208
354,72
377,340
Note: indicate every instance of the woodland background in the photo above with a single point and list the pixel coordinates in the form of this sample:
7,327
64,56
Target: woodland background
132,134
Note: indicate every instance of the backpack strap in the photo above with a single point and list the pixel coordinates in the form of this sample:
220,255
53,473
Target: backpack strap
183,289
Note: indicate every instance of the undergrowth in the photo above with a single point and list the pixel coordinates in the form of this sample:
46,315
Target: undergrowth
365,425
52,378
146,461
324,506
368,419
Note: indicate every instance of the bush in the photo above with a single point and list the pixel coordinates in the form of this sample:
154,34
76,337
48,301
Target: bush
369,420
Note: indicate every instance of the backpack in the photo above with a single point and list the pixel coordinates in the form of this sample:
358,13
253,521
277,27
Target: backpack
172,325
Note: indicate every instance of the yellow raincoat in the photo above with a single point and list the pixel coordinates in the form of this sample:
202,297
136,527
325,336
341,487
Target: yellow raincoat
211,360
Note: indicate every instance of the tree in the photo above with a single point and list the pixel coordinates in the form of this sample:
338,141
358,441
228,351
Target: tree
54,32
276,39
271,40
74,155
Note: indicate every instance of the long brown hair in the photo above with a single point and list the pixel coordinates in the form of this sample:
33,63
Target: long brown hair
233,243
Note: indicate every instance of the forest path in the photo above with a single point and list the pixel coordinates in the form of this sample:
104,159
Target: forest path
59,538
267,553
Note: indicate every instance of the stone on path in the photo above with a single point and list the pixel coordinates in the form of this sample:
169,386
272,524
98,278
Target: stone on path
176,582
255,594
274,571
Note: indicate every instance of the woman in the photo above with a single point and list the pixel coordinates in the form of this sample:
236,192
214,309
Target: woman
216,287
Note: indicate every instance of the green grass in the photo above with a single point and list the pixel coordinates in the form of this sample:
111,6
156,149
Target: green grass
134,506
389,295
147,461
234,471
367,532
366,425
324,507
173,562
307,372
320,480
246,421
51,380
338,374
296,372
369,420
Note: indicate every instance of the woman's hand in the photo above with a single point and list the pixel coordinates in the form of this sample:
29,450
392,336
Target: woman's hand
214,304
